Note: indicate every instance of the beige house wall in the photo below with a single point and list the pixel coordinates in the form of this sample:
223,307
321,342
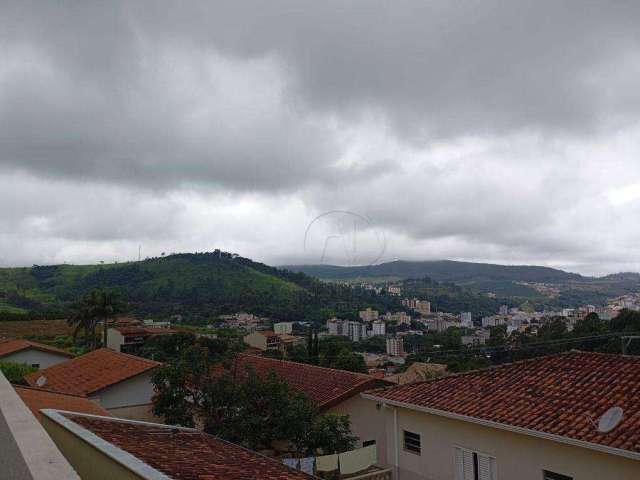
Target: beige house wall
518,456
367,423
256,340
90,463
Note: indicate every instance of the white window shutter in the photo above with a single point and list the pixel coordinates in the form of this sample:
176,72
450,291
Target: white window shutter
486,468
468,465
459,464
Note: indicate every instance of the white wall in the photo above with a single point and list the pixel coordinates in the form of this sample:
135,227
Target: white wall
518,456
134,391
367,423
31,356
114,339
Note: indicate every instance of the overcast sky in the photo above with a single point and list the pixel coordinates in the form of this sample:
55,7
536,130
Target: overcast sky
506,131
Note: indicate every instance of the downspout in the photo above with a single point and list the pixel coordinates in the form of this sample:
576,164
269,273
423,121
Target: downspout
396,442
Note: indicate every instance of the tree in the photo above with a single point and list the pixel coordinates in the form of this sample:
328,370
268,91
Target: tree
589,325
96,306
331,433
15,372
83,319
243,407
350,361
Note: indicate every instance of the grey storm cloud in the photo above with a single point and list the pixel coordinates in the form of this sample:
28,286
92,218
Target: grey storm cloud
314,106
84,91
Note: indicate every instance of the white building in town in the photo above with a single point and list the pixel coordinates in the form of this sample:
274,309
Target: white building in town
378,327
395,346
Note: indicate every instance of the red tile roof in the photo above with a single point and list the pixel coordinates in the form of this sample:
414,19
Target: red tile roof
557,394
13,345
37,399
91,372
186,454
325,386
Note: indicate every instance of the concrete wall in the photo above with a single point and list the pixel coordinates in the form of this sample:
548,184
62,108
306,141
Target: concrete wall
89,462
367,423
26,451
31,356
136,412
132,392
114,339
518,456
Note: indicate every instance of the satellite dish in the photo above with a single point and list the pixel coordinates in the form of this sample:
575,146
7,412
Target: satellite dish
42,381
610,419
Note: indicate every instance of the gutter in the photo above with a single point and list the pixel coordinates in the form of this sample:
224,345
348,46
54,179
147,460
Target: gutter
510,428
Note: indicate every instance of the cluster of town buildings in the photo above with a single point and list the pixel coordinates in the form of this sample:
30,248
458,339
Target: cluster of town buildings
569,416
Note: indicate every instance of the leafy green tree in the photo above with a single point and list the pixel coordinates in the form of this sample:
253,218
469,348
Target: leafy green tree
590,325
331,433
243,407
15,372
349,361
376,344
180,386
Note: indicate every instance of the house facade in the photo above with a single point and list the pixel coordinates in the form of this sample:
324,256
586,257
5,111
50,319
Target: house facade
33,354
531,420
118,382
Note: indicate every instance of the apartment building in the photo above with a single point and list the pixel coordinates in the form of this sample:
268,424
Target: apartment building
395,346
378,327
284,328
368,315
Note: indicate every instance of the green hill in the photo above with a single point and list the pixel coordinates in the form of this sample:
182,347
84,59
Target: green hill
441,271
196,286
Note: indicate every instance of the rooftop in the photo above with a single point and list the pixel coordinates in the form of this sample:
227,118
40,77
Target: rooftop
37,399
561,395
91,372
145,330
325,386
161,451
13,345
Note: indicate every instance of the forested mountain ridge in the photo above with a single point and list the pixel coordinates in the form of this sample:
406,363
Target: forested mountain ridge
196,286
440,270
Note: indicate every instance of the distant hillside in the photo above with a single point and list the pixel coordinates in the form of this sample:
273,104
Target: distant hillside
512,284
197,286
440,270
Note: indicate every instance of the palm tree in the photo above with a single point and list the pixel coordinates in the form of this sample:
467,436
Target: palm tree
83,320
97,306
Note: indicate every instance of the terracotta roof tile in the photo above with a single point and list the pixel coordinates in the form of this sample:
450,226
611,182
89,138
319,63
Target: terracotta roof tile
559,394
91,372
37,399
186,454
325,386
13,345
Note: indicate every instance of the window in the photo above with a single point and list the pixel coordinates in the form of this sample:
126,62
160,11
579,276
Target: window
368,442
472,465
35,365
412,442
547,475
